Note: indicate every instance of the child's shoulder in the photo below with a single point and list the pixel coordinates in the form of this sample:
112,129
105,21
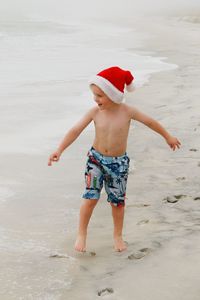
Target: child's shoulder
93,110
128,108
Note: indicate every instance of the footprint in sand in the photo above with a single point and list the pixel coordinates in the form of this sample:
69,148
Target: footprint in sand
57,255
193,149
142,222
105,291
180,178
174,199
156,244
139,254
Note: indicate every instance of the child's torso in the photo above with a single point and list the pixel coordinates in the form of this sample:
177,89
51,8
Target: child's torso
111,131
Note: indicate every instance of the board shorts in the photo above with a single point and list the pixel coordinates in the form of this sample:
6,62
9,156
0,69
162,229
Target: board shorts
108,170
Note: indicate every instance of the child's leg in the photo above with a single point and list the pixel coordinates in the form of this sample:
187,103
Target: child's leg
86,210
118,219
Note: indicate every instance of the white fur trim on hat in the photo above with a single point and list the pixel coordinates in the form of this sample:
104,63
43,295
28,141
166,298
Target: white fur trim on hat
108,88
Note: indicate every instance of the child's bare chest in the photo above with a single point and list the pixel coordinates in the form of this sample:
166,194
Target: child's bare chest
114,124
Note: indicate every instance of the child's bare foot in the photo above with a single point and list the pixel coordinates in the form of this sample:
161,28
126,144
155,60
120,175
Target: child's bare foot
119,244
80,244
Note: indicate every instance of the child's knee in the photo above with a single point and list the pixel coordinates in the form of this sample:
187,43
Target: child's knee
90,202
119,206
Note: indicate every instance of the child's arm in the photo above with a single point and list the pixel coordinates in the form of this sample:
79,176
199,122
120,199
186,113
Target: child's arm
172,141
72,135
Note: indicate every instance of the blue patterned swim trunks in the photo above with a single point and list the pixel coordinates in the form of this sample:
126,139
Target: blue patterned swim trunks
110,170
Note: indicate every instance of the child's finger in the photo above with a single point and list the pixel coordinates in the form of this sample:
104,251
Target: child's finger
176,146
51,159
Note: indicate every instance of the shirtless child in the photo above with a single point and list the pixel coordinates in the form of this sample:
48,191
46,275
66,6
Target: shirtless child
108,161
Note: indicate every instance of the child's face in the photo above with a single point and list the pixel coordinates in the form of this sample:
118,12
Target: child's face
101,98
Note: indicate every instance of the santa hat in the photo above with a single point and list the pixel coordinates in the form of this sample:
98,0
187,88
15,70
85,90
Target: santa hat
112,82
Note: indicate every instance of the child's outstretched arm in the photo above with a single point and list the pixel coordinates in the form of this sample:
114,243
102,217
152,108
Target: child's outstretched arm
172,141
72,135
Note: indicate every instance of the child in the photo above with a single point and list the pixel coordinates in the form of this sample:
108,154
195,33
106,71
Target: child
107,160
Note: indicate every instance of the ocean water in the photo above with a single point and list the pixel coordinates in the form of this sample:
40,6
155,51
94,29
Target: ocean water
45,65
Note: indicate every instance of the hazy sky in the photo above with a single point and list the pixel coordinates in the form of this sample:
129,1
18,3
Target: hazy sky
96,8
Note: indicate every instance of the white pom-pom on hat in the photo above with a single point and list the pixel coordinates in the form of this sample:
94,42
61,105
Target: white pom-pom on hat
112,82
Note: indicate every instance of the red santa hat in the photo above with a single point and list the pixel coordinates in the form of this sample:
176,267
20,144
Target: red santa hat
112,82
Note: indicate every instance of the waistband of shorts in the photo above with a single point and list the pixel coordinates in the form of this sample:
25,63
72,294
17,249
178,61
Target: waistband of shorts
107,158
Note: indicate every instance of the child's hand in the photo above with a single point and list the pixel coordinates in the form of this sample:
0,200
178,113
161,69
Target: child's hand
173,142
54,157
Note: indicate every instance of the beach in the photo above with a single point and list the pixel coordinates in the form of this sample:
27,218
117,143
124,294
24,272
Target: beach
40,204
